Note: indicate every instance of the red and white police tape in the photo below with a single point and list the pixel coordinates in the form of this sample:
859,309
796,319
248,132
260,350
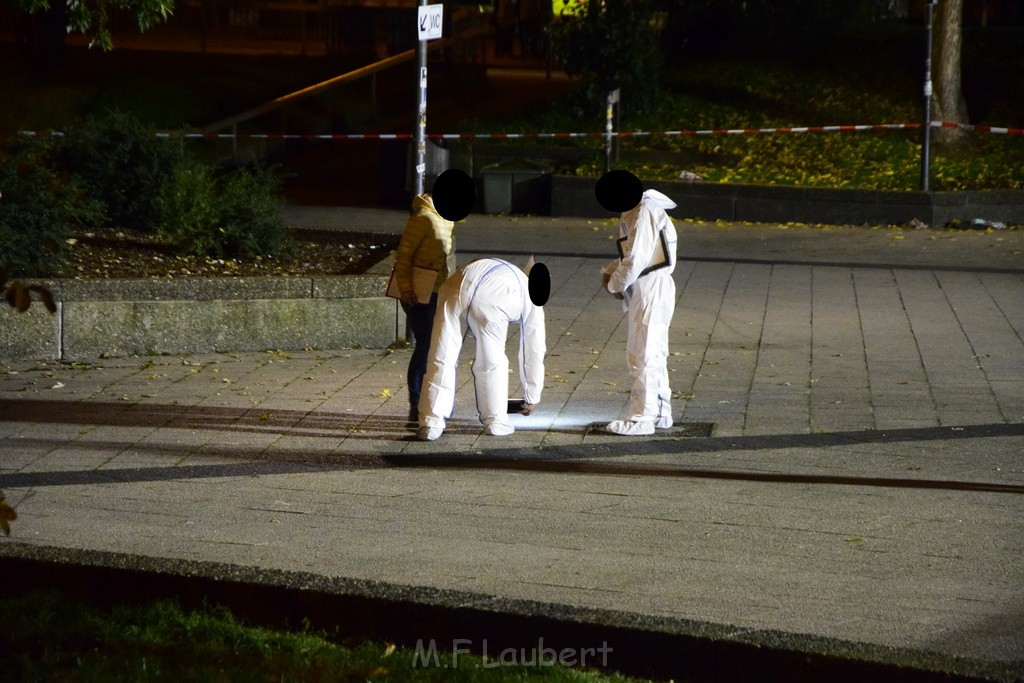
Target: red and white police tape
978,128
550,136
603,134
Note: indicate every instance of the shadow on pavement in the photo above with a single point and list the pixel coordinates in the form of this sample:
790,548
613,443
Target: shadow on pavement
585,458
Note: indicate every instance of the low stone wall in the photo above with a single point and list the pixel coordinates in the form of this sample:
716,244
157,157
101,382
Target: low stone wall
573,196
203,315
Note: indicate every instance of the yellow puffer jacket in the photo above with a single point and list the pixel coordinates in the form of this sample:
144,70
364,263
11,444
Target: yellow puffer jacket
428,242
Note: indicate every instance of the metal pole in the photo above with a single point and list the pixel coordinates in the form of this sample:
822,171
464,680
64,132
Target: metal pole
926,143
618,126
613,97
421,112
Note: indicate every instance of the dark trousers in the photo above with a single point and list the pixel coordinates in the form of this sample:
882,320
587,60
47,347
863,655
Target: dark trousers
421,322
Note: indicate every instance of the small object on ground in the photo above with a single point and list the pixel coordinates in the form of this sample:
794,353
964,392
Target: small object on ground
984,224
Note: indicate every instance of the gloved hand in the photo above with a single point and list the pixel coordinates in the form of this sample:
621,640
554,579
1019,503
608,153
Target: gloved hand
527,408
605,279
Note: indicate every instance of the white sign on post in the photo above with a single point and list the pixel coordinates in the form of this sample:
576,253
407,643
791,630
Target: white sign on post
429,20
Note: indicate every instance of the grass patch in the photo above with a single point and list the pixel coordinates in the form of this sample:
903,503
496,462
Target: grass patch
46,635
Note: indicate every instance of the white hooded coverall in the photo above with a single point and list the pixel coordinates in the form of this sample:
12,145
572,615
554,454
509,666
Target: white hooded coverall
649,302
484,297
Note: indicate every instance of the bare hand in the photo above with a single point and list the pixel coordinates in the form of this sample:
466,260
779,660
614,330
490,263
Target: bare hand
409,299
527,408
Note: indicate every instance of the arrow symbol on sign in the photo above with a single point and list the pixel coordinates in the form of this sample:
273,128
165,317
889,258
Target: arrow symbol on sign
429,22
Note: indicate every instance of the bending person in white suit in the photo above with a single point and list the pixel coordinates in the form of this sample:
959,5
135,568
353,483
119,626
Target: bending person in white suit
484,297
642,277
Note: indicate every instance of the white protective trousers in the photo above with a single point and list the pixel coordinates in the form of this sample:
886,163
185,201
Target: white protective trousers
484,297
649,302
648,316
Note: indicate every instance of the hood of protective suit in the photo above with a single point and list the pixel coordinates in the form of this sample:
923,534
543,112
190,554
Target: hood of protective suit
657,199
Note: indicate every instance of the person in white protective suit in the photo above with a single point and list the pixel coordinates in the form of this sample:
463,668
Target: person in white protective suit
642,278
484,297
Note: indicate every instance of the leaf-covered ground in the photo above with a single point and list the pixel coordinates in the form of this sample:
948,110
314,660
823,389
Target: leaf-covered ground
111,253
875,79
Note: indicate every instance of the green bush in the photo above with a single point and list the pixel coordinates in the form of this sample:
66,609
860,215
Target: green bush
120,164
113,171
224,216
148,184
189,209
251,223
614,44
38,208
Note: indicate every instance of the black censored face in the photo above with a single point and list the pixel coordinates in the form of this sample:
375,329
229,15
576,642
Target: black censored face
618,191
540,284
454,194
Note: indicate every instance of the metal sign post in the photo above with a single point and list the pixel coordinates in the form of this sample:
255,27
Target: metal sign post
428,26
926,143
613,99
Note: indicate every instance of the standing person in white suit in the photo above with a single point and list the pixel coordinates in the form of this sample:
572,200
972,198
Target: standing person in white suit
642,278
484,297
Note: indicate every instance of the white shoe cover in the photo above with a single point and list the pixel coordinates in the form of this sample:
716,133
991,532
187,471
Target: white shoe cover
499,429
664,422
631,427
428,433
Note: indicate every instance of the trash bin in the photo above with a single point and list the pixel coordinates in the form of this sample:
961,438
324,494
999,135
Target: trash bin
517,186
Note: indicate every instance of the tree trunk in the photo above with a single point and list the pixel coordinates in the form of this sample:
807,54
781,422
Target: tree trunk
948,103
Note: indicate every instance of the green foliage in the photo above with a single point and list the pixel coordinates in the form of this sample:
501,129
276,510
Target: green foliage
92,17
50,636
609,45
112,170
740,94
189,204
250,222
151,184
122,165
38,208
223,216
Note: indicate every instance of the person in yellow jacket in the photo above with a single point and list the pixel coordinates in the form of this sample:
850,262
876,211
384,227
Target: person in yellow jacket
429,242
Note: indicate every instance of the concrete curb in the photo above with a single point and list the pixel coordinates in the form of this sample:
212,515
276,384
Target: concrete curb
572,196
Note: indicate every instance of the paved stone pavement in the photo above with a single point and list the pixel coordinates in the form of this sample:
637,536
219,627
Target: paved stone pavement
863,481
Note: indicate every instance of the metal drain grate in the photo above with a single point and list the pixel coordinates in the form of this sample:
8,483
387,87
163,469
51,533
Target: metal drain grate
693,429
679,429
